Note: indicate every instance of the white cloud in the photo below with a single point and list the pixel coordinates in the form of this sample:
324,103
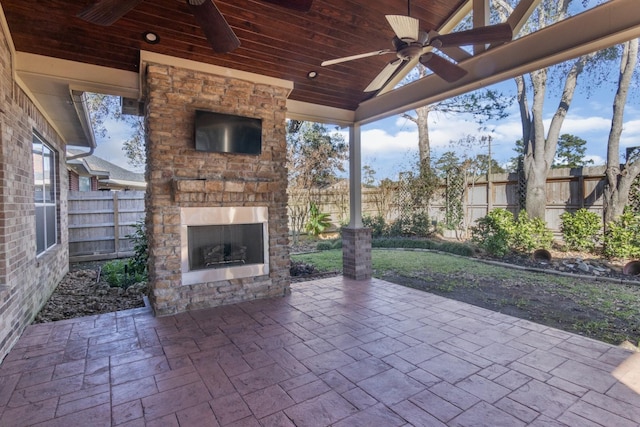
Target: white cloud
376,142
597,160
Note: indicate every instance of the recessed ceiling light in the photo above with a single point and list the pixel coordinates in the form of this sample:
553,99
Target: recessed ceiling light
312,74
151,38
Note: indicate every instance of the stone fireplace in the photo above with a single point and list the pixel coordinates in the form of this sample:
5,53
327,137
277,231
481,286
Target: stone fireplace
216,222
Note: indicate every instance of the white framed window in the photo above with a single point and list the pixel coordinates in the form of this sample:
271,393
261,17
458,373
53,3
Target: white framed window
45,195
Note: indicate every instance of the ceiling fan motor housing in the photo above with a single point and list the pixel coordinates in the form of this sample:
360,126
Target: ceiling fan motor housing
407,50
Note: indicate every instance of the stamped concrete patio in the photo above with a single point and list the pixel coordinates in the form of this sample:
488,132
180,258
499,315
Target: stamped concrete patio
335,352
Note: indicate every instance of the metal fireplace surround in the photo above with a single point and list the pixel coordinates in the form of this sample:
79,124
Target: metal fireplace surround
223,243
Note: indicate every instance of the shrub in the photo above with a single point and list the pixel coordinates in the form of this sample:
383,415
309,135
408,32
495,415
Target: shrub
494,232
580,230
318,221
622,237
376,224
324,246
530,234
138,264
337,244
118,274
418,225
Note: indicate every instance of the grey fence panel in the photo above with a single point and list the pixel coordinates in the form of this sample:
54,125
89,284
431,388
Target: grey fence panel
99,222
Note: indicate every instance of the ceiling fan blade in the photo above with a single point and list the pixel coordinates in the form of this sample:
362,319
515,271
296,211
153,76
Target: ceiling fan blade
489,34
218,32
443,68
106,12
299,5
352,57
405,27
384,75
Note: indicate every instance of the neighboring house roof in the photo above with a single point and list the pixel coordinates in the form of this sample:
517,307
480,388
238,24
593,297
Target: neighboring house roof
106,172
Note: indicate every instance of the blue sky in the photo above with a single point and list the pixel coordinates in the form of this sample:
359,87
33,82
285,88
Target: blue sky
390,146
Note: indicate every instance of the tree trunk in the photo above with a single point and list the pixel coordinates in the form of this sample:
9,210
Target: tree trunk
424,144
619,180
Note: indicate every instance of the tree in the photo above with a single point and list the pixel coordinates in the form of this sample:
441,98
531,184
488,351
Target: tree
540,144
571,152
314,158
483,105
106,107
620,178
481,162
515,161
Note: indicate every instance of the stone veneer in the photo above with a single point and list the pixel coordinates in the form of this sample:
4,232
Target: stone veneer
179,176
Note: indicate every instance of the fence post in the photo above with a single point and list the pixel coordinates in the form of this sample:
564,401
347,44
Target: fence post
116,223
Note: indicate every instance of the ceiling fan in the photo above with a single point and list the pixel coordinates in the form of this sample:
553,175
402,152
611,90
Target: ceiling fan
409,42
218,32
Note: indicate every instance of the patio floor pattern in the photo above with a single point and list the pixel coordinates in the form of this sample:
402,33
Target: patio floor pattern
334,352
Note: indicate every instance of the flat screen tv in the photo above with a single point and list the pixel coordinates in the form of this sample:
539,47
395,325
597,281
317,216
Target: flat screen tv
226,133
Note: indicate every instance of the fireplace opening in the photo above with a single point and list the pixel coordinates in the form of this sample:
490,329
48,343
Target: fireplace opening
221,246
223,243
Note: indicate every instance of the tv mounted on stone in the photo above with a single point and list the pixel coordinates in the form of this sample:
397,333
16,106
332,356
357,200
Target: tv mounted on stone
227,133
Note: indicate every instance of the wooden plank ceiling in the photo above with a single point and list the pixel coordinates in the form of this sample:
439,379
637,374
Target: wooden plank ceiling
275,41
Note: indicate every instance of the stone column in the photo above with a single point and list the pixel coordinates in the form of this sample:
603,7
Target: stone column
356,240
356,253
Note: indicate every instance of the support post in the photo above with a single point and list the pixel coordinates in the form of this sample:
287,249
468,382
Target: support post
356,240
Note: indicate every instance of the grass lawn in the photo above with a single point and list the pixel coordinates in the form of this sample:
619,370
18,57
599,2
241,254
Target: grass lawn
605,311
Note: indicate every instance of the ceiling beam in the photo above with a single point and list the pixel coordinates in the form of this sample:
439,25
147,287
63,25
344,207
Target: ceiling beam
603,26
480,19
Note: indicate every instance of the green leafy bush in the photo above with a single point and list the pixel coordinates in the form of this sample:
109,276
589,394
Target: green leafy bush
118,274
376,224
318,221
417,225
580,230
622,237
137,264
530,234
494,231
324,246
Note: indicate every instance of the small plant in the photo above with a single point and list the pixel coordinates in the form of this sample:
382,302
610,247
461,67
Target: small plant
494,232
622,238
580,230
530,234
318,221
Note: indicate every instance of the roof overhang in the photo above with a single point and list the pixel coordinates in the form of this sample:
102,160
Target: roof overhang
611,23
55,85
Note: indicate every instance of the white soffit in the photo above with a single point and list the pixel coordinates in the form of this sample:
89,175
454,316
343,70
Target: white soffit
54,85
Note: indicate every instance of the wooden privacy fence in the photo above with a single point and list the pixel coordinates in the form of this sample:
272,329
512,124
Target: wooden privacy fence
567,191
99,222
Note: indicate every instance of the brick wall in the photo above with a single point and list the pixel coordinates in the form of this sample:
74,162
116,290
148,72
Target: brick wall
74,181
26,282
178,176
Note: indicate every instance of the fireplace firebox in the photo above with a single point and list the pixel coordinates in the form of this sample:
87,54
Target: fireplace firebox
222,243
